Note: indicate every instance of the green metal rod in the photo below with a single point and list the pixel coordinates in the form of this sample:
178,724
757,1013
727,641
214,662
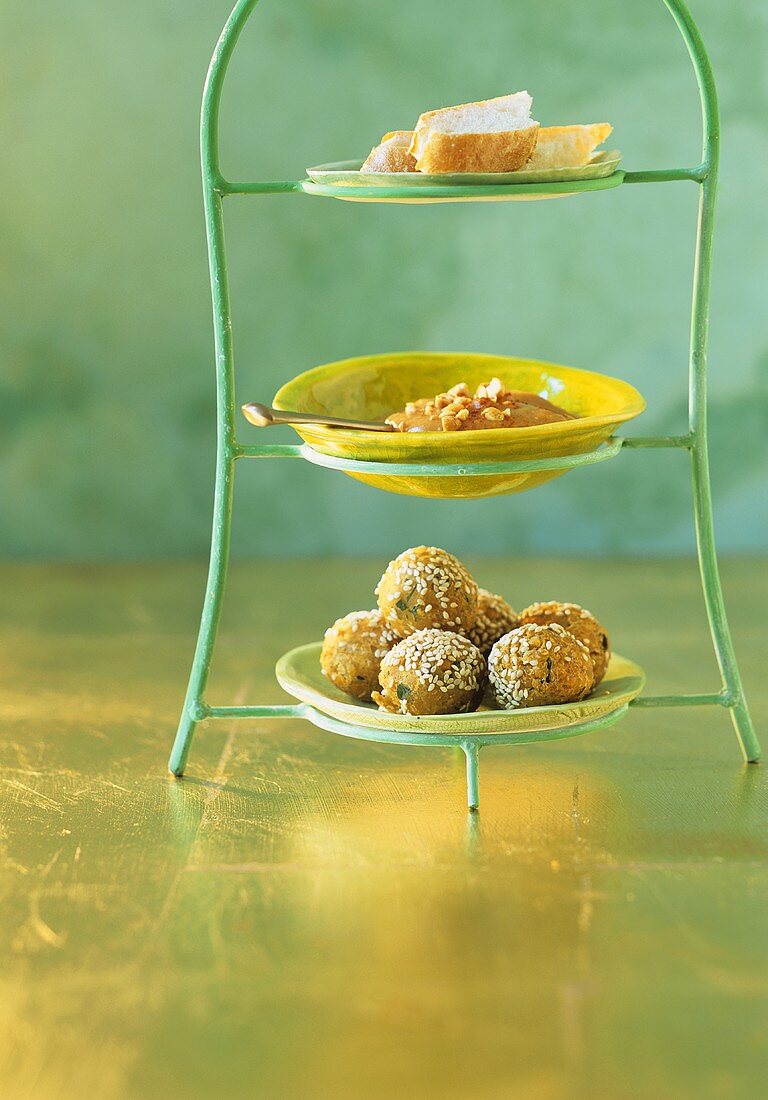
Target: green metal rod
721,699
294,710
270,450
213,180
298,710
667,175
223,491
293,186
259,187
472,752
293,450
671,441
710,116
226,444
702,492
697,409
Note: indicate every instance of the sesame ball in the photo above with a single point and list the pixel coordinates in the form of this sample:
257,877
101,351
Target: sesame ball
494,619
424,588
536,666
578,622
352,652
431,672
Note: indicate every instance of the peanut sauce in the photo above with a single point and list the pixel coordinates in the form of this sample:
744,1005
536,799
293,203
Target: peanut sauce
491,406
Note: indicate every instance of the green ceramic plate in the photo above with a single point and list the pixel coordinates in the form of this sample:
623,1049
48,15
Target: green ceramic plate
298,672
348,172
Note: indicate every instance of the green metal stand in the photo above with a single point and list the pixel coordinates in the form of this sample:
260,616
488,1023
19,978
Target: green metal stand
216,188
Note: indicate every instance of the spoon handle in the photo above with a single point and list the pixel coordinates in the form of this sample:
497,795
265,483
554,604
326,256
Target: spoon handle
264,415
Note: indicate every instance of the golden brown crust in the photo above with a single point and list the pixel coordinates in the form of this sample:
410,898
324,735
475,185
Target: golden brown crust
352,652
495,618
538,666
568,146
579,622
426,587
431,672
500,151
391,154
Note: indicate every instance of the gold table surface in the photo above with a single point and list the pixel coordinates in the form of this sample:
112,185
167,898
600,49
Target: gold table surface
308,916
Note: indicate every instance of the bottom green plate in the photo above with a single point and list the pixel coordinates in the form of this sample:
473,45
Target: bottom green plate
298,672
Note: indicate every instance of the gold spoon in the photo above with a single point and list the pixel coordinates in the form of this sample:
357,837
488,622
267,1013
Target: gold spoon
264,415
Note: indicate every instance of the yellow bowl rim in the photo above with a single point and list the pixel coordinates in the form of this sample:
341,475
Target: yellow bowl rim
564,427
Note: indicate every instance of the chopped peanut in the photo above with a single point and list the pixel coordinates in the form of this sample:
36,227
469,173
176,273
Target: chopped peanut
450,423
492,405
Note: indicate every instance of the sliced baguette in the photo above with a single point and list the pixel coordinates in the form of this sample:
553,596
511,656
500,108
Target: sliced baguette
391,154
492,135
568,146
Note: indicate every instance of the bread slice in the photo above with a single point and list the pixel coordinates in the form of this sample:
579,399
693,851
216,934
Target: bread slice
492,135
391,154
568,146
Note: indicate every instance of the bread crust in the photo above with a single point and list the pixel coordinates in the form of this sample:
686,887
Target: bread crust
437,152
391,154
568,146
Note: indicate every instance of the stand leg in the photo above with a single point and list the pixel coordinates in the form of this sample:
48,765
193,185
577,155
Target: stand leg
702,493
192,711
715,605
471,752
226,452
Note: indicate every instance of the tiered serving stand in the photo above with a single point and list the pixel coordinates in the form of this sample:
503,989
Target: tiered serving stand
730,694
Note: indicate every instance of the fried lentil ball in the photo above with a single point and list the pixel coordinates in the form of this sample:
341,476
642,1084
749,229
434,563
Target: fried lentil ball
535,666
494,619
353,649
426,587
432,672
581,624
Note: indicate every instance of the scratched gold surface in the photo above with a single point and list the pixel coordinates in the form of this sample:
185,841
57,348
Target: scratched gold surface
306,916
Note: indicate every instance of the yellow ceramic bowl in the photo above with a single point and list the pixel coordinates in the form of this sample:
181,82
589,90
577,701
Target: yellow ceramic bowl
373,386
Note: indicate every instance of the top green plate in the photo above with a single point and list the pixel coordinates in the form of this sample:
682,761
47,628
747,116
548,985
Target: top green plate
347,172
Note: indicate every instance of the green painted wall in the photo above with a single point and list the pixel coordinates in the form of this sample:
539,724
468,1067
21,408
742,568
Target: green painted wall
106,391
